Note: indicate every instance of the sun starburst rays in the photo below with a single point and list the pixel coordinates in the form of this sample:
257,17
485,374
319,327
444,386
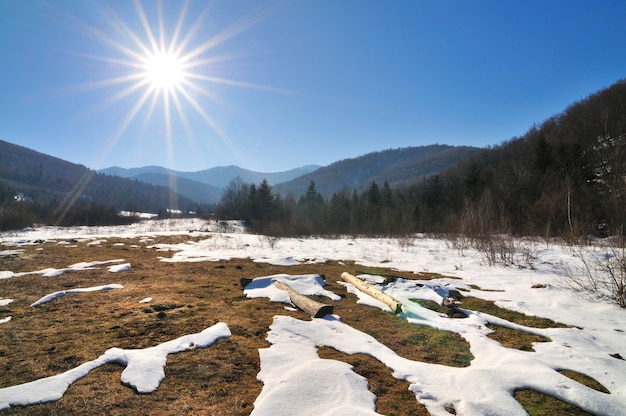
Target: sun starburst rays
168,68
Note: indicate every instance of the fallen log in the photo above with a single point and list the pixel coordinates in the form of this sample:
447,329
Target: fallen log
364,287
313,308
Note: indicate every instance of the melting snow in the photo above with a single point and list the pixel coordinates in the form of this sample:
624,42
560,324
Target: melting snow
5,274
4,302
56,295
295,378
144,369
52,272
292,372
309,284
119,268
485,387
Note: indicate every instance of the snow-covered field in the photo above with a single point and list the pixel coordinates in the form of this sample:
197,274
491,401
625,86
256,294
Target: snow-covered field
296,378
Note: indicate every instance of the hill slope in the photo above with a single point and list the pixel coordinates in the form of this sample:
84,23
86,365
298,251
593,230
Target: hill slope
565,176
395,166
45,179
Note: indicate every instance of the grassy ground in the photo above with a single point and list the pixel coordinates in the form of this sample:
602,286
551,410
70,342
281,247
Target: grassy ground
187,298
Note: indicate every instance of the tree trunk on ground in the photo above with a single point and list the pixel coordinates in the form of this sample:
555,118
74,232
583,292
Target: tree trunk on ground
313,308
395,306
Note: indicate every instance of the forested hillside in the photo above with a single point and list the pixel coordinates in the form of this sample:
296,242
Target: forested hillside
564,177
395,166
52,190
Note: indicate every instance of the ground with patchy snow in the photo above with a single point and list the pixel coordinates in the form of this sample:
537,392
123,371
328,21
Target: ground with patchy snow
294,377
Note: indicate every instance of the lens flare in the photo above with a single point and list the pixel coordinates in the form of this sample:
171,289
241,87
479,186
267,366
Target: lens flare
173,64
150,60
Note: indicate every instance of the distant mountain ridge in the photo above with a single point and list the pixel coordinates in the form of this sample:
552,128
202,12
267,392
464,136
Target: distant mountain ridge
197,191
151,188
396,166
218,176
205,186
564,177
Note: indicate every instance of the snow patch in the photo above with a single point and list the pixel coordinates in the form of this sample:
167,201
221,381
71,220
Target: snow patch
144,369
308,284
590,346
119,268
62,293
295,378
5,274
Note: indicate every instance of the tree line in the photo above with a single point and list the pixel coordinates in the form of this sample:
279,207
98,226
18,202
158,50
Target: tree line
93,199
371,212
19,211
564,177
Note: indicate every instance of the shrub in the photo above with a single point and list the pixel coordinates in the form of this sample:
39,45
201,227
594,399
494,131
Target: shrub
601,270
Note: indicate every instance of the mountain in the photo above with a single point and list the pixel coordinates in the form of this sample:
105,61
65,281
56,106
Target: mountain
222,175
129,173
565,177
197,191
396,166
218,177
45,179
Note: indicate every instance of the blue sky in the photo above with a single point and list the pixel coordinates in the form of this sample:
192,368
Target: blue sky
271,86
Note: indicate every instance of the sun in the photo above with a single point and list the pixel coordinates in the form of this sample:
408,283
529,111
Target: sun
163,66
166,66
163,70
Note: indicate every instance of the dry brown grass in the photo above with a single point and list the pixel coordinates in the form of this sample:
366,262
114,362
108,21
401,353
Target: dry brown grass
187,298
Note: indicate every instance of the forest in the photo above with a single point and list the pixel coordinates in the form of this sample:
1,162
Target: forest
565,177
101,206
39,189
